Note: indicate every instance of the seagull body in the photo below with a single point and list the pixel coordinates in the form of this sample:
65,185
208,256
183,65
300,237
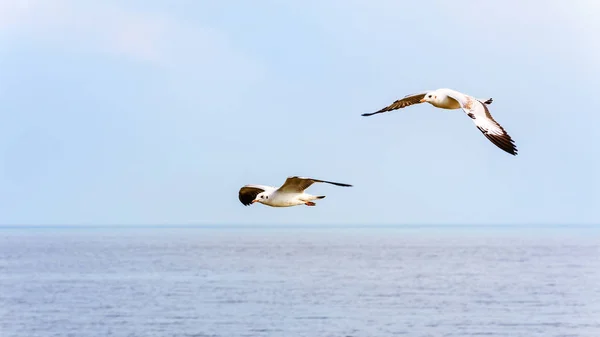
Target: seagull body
476,109
291,193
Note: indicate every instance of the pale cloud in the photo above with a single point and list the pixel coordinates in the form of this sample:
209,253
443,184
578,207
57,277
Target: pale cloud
97,27
11,13
110,28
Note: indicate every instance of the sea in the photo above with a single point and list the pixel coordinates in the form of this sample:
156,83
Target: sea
299,281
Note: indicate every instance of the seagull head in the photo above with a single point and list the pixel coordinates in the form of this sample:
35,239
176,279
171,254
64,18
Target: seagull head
261,197
429,97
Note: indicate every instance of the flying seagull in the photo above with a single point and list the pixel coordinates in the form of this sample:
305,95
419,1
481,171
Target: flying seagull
476,109
291,193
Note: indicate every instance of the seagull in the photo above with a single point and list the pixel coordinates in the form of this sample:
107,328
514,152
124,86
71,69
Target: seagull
291,193
476,109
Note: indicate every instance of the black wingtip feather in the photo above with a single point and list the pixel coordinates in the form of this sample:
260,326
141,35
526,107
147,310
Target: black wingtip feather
371,113
247,194
332,182
339,184
504,142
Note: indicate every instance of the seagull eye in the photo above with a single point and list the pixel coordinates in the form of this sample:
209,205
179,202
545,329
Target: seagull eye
267,197
429,96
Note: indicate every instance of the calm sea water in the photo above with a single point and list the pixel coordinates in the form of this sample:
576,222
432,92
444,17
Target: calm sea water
299,282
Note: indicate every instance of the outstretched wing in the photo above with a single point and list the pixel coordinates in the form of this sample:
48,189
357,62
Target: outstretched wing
297,184
493,130
249,193
401,103
484,121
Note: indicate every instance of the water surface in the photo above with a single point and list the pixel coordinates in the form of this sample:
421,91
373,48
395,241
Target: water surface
299,282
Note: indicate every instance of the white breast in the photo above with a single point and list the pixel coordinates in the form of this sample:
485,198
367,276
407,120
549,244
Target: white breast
284,199
445,102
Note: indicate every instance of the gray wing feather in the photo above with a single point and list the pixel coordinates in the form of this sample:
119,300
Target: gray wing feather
297,184
492,130
401,103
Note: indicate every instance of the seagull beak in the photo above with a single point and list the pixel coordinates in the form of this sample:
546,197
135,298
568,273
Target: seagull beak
422,100
253,201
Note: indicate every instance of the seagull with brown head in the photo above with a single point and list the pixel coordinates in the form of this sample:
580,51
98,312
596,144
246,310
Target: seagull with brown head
291,193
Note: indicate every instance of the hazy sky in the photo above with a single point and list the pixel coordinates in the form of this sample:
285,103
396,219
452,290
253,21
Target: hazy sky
157,112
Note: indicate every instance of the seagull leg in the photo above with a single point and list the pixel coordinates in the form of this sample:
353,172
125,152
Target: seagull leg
310,203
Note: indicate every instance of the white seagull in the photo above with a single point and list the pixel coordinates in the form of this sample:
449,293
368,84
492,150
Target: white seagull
291,193
476,109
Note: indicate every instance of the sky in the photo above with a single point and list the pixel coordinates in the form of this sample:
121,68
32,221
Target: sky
157,112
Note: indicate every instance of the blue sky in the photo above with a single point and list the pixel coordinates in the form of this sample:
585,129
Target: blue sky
156,112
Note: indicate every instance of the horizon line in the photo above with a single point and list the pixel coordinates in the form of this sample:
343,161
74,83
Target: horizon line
307,226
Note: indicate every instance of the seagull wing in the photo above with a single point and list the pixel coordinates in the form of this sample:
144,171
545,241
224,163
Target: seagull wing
297,184
484,121
401,103
249,192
